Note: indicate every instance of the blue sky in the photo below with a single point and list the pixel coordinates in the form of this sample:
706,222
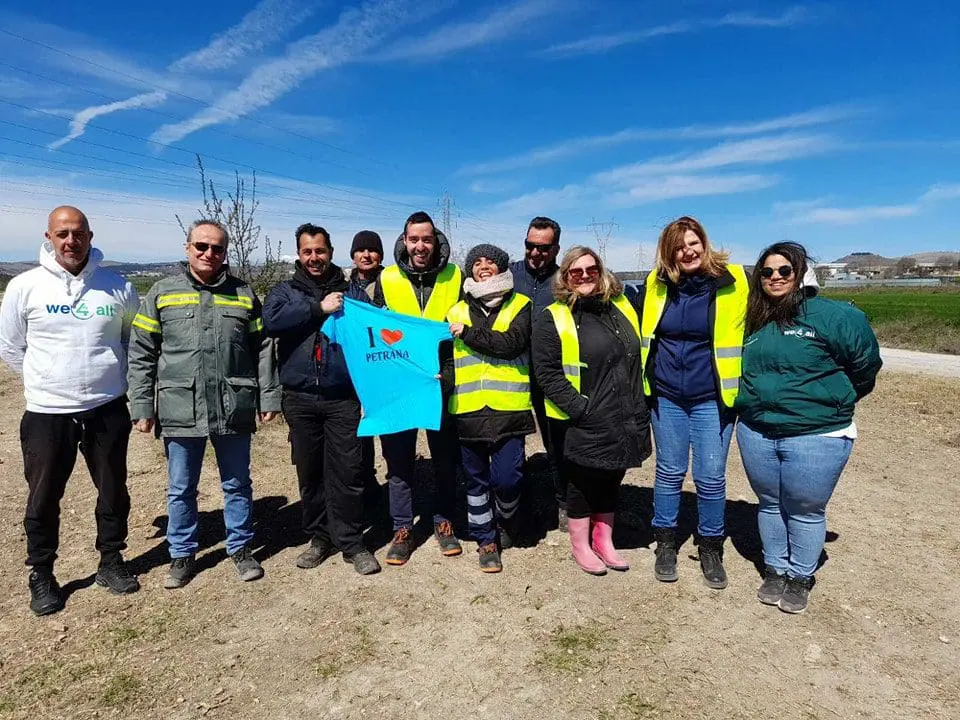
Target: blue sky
833,124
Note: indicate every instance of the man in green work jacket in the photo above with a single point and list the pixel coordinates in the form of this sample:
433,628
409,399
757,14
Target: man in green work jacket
200,367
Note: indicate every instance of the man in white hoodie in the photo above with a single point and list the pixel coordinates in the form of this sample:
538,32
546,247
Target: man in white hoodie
64,327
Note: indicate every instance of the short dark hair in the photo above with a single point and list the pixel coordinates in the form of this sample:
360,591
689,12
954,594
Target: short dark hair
545,223
419,217
311,230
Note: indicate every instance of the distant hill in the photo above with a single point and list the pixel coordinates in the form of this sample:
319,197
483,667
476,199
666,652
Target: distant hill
866,259
124,268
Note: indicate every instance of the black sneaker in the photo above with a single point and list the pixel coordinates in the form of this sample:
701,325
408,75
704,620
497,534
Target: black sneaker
247,566
489,558
363,562
45,597
318,551
400,548
507,537
449,545
772,587
182,570
117,578
795,594
665,565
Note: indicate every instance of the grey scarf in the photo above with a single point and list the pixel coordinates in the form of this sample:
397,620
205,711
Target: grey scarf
489,292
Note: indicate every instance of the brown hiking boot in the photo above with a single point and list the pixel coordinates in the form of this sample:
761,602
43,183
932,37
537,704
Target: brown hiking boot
449,545
399,551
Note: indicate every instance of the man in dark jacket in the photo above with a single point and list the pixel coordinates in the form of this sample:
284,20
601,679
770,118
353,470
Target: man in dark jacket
423,283
320,404
533,276
366,251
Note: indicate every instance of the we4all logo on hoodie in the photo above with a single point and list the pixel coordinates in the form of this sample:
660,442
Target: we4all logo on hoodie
82,312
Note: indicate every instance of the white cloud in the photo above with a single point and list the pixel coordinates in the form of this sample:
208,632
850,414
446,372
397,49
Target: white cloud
942,192
754,151
500,24
79,122
855,215
357,31
268,22
602,43
578,146
681,186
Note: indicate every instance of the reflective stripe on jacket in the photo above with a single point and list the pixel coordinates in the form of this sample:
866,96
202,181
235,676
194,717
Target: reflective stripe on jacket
727,324
482,381
199,362
570,344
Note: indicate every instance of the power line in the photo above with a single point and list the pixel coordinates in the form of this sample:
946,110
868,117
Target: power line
602,232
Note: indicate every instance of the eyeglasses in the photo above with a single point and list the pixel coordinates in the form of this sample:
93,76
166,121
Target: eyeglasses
578,274
537,247
217,250
785,271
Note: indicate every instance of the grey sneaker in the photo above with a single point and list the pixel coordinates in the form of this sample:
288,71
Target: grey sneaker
317,551
795,594
247,566
489,558
771,590
363,562
181,572
449,545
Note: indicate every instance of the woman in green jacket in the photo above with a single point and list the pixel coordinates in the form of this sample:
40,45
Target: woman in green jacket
806,362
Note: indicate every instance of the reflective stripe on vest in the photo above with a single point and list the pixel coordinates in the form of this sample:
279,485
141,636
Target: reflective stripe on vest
399,295
570,344
483,381
730,309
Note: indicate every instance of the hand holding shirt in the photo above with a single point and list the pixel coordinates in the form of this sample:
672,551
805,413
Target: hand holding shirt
393,360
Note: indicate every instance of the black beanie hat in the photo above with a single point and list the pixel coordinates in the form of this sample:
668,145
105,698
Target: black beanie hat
366,240
491,252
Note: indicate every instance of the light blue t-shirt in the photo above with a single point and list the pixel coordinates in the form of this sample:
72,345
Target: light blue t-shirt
393,361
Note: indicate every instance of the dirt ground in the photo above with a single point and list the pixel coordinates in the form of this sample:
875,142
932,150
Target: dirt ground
438,638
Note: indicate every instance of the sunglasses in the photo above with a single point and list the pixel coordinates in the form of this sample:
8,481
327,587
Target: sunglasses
217,250
578,274
784,270
536,247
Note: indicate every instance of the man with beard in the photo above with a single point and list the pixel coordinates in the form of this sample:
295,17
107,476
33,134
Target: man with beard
320,404
424,284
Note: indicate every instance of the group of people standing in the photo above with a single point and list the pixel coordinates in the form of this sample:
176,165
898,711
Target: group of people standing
560,347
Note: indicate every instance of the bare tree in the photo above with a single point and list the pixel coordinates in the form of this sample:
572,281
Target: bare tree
905,265
237,213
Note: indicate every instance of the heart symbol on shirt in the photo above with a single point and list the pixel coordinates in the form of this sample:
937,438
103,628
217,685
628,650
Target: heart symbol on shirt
391,336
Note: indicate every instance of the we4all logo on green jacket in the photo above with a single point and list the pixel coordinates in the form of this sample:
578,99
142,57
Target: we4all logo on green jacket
84,312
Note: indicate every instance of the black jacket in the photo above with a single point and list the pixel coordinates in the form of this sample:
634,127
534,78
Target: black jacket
609,420
538,286
292,315
489,425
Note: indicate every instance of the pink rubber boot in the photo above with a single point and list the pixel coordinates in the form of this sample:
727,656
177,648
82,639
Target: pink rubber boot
579,529
602,537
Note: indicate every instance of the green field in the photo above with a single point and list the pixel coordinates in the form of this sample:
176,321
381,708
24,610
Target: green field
913,318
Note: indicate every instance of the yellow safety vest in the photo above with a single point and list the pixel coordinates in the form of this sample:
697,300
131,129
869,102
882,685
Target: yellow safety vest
730,311
570,344
483,381
399,295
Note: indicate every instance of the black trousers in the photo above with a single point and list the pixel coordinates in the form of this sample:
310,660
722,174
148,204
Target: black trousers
49,444
327,453
592,491
557,433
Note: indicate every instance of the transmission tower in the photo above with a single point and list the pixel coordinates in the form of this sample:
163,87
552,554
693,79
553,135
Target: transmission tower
601,233
445,203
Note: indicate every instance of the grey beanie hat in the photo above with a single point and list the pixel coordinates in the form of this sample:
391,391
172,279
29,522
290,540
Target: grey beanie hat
491,252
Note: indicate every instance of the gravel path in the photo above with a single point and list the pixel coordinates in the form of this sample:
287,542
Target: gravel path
921,362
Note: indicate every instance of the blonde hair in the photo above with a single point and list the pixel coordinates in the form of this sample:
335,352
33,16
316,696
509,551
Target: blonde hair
608,284
713,263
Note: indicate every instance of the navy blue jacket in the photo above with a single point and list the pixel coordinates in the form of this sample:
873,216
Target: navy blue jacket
536,286
683,358
292,315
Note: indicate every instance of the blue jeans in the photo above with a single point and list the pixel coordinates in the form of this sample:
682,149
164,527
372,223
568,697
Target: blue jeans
184,461
793,478
491,466
708,430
